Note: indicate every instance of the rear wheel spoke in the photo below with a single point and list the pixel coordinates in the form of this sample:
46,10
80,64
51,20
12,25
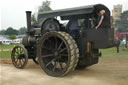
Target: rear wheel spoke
60,45
64,49
61,67
49,55
54,67
49,62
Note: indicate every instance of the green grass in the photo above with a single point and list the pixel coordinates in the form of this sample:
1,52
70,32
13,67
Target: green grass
111,53
6,54
7,46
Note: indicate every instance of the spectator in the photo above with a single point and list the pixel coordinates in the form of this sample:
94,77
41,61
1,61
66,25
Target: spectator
124,43
117,44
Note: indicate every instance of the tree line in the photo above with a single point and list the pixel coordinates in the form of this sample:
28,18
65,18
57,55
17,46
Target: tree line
12,31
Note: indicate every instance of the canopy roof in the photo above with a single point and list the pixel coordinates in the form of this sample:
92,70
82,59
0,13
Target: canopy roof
86,10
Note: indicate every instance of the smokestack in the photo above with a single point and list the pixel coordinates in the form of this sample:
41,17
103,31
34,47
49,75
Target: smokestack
28,16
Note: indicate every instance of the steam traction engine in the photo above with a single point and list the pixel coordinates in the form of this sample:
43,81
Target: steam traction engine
51,44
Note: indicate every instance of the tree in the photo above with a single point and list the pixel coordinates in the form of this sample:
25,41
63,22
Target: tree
45,6
33,19
22,31
11,31
123,22
2,32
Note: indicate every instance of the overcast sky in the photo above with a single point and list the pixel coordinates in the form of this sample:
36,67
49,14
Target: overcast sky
12,12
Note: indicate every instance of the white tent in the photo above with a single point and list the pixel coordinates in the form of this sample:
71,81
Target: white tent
4,40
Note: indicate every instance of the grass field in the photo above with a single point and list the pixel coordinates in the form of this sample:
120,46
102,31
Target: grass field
113,51
110,52
6,54
7,46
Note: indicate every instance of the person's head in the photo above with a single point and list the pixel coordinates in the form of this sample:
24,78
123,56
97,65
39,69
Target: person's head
101,13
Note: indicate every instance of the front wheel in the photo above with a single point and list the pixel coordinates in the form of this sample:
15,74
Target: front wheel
19,57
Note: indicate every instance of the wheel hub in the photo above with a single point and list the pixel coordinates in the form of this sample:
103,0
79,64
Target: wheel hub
20,56
57,55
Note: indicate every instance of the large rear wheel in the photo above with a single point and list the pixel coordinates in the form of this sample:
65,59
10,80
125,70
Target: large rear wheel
57,53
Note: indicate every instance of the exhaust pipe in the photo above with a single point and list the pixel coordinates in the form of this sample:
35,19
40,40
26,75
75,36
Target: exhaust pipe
28,16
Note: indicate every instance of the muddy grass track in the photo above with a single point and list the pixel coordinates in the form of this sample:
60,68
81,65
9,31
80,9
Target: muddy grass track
106,72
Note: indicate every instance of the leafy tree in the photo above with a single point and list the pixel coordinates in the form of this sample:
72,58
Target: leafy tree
11,31
12,37
123,22
22,31
45,6
33,19
2,32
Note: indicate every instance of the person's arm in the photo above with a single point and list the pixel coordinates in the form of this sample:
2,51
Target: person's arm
101,20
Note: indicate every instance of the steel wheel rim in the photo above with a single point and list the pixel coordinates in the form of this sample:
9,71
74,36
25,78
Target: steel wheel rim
55,64
19,57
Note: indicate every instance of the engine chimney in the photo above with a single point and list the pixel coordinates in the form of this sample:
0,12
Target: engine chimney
28,16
